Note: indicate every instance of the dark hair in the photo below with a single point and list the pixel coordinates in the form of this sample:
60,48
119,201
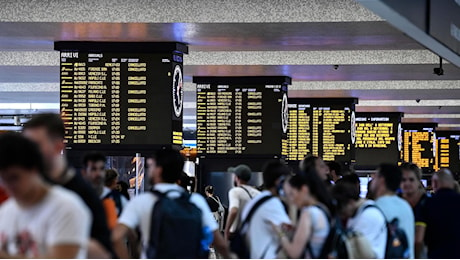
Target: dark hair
124,189
209,189
408,166
343,193
316,186
184,180
51,122
392,175
308,163
172,163
17,150
93,157
110,176
334,166
272,171
352,178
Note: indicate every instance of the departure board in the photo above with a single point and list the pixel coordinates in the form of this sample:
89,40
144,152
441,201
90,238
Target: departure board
419,144
322,127
448,152
121,93
242,115
378,139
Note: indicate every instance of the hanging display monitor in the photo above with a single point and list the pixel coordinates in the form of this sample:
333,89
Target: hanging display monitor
448,155
419,145
378,139
242,115
116,94
322,127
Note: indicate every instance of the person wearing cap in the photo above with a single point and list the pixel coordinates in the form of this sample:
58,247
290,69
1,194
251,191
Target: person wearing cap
238,196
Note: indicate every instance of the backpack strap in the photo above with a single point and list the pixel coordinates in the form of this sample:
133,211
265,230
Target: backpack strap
246,191
253,210
330,237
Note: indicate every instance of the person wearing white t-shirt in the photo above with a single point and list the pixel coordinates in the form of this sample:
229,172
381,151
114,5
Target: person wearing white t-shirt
38,220
164,170
238,196
361,216
263,242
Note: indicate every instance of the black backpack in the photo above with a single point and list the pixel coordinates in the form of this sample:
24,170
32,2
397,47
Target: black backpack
238,243
176,229
397,243
116,196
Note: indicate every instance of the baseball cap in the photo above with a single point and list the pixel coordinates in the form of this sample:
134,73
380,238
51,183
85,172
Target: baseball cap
242,171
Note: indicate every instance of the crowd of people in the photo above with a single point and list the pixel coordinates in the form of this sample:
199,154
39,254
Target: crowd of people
52,211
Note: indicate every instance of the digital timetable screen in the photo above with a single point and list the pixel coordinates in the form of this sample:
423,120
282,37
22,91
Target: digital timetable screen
120,98
322,127
419,144
448,152
378,139
241,119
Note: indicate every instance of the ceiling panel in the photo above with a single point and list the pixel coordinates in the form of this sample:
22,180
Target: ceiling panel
373,35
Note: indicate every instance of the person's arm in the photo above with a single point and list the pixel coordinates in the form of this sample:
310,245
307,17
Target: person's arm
119,234
230,219
419,237
233,206
296,247
220,245
53,252
96,250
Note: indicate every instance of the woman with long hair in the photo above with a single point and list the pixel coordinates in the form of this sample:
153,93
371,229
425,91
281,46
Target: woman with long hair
309,194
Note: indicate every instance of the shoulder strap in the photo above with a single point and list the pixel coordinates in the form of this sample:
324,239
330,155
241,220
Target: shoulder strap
246,191
329,239
253,210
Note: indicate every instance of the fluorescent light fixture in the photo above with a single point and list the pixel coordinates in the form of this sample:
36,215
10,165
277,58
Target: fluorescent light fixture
29,106
431,115
448,125
410,103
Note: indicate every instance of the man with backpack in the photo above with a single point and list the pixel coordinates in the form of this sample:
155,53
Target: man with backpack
386,182
361,217
238,196
263,210
172,222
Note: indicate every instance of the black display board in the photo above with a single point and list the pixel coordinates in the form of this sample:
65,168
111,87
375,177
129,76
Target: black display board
448,154
121,96
419,145
242,115
378,139
445,23
323,127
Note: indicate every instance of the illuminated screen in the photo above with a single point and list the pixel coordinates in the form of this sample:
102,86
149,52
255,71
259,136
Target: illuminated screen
448,155
238,118
322,127
378,139
419,145
124,96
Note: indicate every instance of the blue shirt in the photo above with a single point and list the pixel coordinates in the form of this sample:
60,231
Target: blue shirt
395,207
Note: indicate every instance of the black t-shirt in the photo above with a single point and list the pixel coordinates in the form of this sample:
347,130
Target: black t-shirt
441,215
213,205
419,207
99,229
